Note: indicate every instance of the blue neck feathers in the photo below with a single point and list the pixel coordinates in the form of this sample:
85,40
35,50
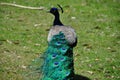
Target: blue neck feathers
57,20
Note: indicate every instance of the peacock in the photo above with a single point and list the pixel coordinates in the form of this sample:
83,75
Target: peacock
58,58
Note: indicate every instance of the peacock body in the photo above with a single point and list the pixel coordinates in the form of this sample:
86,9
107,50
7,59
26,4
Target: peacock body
58,57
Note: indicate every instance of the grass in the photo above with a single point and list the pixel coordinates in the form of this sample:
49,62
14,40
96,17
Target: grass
23,36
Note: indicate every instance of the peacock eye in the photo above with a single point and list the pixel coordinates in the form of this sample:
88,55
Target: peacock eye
54,55
56,63
54,10
62,59
63,49
67,73
58,43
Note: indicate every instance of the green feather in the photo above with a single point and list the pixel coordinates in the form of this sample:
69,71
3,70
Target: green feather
58,60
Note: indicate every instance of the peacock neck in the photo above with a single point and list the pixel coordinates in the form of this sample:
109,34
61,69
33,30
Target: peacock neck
57,20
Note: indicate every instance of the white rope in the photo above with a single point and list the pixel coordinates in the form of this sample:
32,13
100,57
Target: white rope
20,6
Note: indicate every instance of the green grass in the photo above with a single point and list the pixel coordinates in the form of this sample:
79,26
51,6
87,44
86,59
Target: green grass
23,36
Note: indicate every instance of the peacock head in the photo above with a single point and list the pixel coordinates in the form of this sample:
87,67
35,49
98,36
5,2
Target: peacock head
55,11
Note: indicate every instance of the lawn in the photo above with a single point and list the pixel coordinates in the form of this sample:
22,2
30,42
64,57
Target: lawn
23,36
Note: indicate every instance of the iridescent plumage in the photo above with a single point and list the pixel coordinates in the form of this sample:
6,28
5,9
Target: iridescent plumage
58,58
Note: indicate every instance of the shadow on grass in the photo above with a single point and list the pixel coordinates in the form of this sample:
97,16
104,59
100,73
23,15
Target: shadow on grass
80,77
